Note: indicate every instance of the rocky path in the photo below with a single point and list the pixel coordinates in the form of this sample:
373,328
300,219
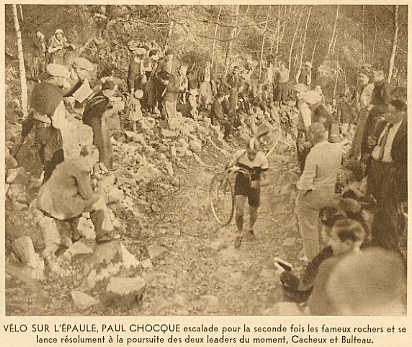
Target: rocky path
202,273
194,267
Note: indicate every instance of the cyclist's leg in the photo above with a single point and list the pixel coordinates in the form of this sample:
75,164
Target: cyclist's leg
254,202
240,209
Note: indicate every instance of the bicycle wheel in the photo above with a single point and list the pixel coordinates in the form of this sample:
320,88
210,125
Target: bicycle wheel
221,198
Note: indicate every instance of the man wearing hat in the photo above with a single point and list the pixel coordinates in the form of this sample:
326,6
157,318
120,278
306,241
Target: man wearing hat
48,116
304,75
57,46
79,91
316,187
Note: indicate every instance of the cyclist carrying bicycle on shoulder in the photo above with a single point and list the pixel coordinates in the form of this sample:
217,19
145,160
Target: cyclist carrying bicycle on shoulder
247,184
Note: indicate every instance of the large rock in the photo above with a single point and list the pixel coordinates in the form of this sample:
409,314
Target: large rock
77,248
156,251
107,261
24,250
10,161
195,145
136,137
82,300
126,291
18,176
147,173
169,134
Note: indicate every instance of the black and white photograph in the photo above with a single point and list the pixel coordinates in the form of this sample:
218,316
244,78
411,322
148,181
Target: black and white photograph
224,159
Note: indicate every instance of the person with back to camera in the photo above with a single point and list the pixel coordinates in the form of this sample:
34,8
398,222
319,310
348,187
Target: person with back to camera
248,185
316,187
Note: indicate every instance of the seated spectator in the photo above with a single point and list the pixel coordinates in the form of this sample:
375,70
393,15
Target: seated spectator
367,283
68,193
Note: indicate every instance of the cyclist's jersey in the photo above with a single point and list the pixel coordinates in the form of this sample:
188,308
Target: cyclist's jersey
255,167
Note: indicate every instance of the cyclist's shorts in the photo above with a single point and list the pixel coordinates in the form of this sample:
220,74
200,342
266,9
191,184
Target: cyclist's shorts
242,187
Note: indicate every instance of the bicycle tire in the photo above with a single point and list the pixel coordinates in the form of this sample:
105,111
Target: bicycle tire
221,197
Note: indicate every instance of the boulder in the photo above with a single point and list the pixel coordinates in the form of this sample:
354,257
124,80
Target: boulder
135,137
10,161
77,248
82,300
24,250
195,146
18,176
147,173
107,261
156,251
168,134
126,291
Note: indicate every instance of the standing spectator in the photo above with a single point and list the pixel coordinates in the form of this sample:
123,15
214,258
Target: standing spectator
80,90
149,100
170,95
169,65
387,171
304,121
57,47
316,187
39,55
364,106
136,76
346,115
48,117
205,88
283,80
183,84
96,112
304,75
380,100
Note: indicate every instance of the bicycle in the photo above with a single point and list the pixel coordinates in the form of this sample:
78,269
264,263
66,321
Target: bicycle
221,191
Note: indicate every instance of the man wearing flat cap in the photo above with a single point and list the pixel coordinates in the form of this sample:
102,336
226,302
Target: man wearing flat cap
48,116
79,91
57,47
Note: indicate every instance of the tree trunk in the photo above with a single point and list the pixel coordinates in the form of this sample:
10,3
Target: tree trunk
293,39
21,62
304,36
375,35
314,47
334,31
214,63
337,74
363,34
263,44
394,42
232,36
